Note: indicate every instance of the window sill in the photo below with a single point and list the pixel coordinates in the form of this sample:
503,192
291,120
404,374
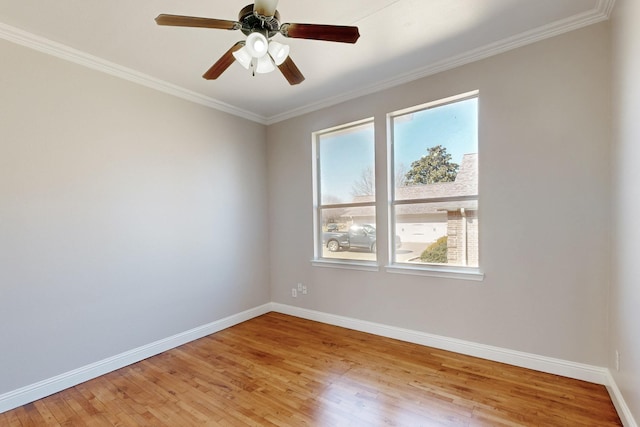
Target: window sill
473,274
346,265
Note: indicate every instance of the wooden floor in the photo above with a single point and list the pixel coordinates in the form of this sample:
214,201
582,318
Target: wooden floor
281,370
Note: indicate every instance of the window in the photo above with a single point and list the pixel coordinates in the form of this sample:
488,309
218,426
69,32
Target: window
345,214
434,185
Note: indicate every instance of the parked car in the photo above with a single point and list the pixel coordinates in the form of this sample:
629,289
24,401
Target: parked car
359,236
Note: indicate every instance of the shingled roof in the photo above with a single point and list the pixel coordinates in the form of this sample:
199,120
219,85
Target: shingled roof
465,184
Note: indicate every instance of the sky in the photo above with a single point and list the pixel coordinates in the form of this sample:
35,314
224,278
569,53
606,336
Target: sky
344,155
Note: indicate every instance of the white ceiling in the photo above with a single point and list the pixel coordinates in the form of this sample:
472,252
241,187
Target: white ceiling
401,40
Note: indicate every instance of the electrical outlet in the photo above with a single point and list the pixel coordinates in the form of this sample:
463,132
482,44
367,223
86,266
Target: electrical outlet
299,287
617,360
304,290
294,292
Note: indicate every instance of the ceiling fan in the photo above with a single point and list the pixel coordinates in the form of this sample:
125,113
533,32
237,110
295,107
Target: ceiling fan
260,22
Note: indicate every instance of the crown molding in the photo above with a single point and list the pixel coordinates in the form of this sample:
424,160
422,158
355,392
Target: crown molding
606,7
67,53
601,12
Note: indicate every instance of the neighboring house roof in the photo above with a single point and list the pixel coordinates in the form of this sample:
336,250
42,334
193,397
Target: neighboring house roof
466,184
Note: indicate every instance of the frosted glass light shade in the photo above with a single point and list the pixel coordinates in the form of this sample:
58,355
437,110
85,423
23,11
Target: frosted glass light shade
257,45
278,52
265,65
243,57
265,7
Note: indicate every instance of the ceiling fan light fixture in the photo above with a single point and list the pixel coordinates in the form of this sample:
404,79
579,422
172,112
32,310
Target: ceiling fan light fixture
243,57
279,52
259,22
265,65
257,45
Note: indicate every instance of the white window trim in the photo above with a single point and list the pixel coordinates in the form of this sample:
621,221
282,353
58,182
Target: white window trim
448,272
461,273
345,264
318,260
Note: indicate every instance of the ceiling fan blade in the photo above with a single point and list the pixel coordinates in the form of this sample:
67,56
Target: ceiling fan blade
265,8
291,72
332,33
223,63
191,21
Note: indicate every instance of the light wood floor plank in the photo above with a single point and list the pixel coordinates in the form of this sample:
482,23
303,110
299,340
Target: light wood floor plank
277,370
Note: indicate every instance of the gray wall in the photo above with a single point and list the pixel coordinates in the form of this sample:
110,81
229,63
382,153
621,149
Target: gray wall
544,207
126,216
625,291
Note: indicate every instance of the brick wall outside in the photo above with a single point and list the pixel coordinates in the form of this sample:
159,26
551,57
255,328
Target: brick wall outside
458,242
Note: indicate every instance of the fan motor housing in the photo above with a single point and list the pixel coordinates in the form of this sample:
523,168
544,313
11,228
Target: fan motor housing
251,22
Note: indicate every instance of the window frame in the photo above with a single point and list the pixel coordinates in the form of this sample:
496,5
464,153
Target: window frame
434,270
318,207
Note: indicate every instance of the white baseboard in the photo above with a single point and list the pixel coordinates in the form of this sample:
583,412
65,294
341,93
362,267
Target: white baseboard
590,373
565,368
621,405
593,374
33,392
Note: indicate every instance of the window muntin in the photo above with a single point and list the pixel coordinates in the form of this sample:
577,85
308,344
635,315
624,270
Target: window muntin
345,189
434,184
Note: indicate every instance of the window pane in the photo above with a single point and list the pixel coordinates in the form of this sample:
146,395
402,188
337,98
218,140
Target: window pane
347,165
349,233
435,154
429,145
444,233
345,176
